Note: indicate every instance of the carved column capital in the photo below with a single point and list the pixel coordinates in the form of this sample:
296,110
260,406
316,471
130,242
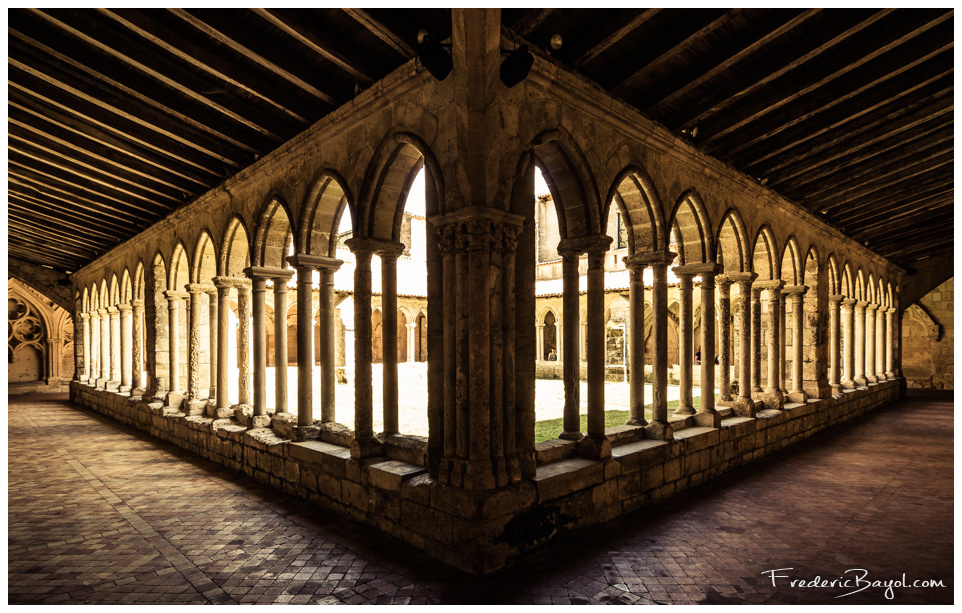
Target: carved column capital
836,299
125,308
171,296
478,228
200,288
305,260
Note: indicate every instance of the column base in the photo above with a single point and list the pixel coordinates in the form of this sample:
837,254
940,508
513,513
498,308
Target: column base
137,392
478,474
174,400
707,419
223,413
123,389
112,386
259,421
848,384
773,399
361,448
881,377
744,406
571,436
684,411
636,422
659,431
871,378
890,375
797,396
196,407
242,413
836,389
595,447
724,401
861,381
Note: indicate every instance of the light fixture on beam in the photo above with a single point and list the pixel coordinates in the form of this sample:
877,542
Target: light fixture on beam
433,57
516,66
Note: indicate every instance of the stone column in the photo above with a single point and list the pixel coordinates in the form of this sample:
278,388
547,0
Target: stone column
326,323
880,344
757,340
85,318
659,261
114,382
305,340
174,309
195,404
389,255
743,403
364,444
137,351
223,285
636,341
243,341
104,348
259,342
870,343
796,293
595,444
539,341
860,379
774,397
889,347
834,344
782,344
412,338
848,338
280,341
707,415
126,329
213,334
724,339
94,348
571,365
686,351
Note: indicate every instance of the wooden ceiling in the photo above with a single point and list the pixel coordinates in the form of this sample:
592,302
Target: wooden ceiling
118,116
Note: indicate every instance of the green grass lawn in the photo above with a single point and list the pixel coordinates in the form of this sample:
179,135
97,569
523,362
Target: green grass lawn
551,428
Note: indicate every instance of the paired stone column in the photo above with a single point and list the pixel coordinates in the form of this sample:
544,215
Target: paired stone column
686,352
782,343
95,345
796,294
707,415
571,356
724,284
280,340
243,287
636,341
412,339
889,346
774,397
539,341
743,403
389,254
848,336
259,341
114,383
870,310
305,343
834,344
364,444
137,350
85,373
223,285
757,339
104,348
860,378
174,314
659,261
195,404
126,329
595,444
880,344
213,333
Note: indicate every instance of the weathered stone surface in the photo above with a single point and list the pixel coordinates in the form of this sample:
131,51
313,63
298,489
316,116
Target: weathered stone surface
390,474
561,478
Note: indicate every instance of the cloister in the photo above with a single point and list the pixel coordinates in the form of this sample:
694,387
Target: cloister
185,329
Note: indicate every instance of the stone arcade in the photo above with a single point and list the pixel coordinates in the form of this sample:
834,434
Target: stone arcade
156,345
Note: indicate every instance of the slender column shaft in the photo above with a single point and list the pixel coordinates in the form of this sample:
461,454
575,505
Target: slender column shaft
105,345
244,344
781,343
137,350
880,343
412,340
389,388
774,370
193,343
259,295
797,323
596,343
213,332
724,339
223,327
85,318
96,344
363,393
707,343
636,347
860,343
745,346
834,344
686,351
126,328
572,353
659,296
870,343
280,344
114,344
305,348
848,338
539,341
889,347
326,324
756,340
174,304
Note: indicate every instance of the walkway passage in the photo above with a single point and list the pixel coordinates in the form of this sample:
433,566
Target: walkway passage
100,513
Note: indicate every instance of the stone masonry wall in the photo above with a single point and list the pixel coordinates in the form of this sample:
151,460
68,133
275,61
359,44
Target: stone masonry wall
928,340
482,531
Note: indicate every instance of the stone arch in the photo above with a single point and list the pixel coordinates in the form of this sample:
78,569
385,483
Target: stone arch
377,331
870,288
763,255
204,266
420,337
156,325
791,269
570,181
325,203
880,296
891,295
731,242
834,282
179,269
104,294
859,285
139,281
637,199
270,236
114,291
235,249
85,301
126,291
691,229
388,179
847,282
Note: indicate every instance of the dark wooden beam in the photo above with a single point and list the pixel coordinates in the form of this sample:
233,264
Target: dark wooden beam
928,221
894,206
527,24
885,180
21,199
378,29
623,29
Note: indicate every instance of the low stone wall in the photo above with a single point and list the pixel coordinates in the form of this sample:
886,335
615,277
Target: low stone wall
482,531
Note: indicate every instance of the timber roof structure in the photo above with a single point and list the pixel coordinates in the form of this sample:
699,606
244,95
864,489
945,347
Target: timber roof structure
117,117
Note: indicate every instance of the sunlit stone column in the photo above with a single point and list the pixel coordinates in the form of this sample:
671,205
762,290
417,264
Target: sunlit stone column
848,356
782,344
95,347
126,329
539,341
774,397
389,389
685,349
259,342
175,309
595,444
364,444
757,340
724,284
223,285
85,377
305,340
870,310
889,347
280,340
636,341
412,338
880,343
659,261
114,383
796,293
860,378
707,415
104,348
195,404
327,268
137,350
834,344
743,403
570,256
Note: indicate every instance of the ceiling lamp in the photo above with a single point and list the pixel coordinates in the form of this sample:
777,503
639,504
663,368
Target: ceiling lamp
516,66
433,57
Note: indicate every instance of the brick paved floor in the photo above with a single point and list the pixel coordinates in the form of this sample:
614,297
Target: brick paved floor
100,513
